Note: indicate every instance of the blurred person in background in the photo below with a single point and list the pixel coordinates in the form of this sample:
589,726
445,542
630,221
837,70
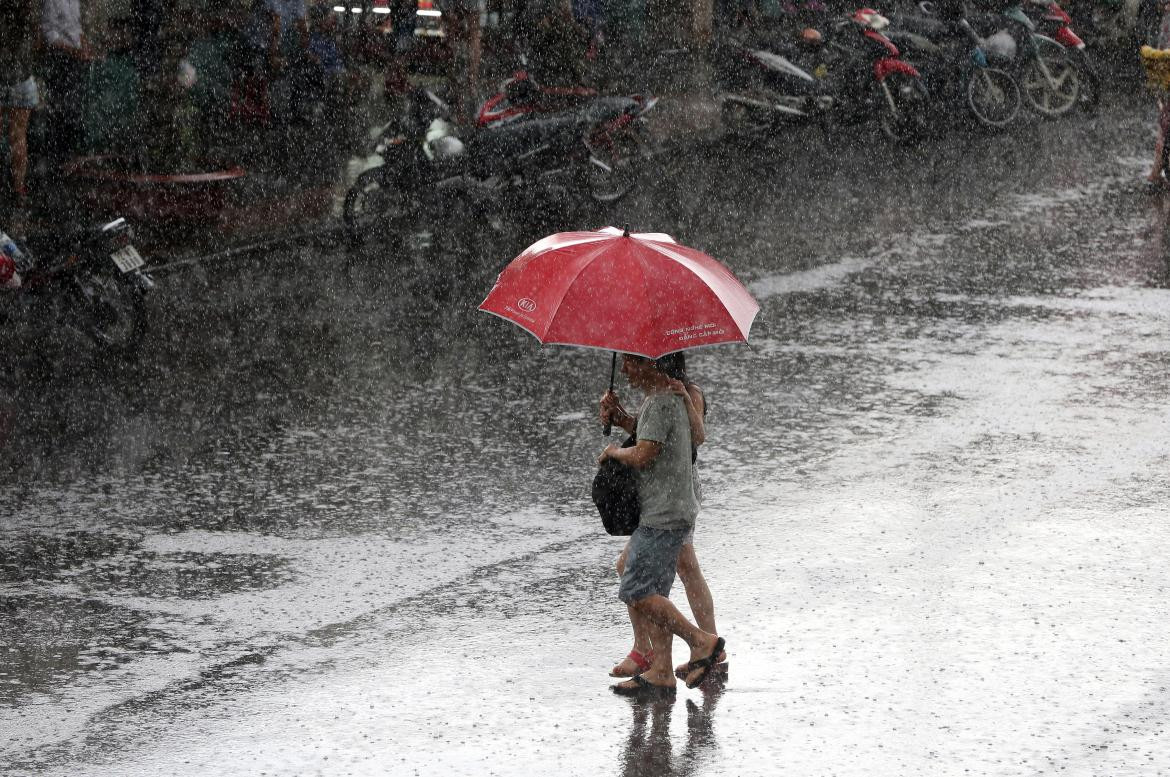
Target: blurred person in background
462,25
148,19
321,81
18,91
66,59
1155,181
558,44
273,28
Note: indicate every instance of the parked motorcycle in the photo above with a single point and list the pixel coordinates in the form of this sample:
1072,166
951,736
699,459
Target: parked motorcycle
94,282
1049,79
766,85
595,152
521,96
847,74
1053,21
956,68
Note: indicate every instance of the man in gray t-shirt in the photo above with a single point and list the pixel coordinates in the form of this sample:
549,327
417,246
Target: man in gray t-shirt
665,486
662,458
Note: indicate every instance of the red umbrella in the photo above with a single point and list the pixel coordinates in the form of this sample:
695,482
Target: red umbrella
639,293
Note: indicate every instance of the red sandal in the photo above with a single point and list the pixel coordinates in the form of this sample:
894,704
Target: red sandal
641,661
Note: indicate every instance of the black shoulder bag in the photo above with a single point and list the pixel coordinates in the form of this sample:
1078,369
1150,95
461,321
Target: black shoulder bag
615,492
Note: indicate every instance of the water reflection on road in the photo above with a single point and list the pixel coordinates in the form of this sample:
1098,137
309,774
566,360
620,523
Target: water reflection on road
336,520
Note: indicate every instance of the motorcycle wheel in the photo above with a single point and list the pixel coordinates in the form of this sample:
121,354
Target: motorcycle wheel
907,119
372,205
614,165
993,96
113,312
1059,97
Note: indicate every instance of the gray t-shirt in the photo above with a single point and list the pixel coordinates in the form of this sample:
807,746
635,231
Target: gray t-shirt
666,487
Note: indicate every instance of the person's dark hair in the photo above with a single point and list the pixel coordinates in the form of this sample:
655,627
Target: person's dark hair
673,365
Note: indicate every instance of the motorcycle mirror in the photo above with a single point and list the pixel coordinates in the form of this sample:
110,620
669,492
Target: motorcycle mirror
927,7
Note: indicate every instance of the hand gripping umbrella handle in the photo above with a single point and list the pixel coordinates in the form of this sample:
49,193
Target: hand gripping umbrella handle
612,370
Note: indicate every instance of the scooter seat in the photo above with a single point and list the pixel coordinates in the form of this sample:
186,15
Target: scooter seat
606,108
914,44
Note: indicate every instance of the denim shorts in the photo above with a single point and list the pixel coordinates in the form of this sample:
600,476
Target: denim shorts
22,95
651,560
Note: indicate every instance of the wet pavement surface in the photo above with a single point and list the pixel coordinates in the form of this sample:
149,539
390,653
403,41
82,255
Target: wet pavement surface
337,522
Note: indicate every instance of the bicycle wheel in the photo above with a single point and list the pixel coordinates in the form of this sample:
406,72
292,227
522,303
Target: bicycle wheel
993,96
1049,80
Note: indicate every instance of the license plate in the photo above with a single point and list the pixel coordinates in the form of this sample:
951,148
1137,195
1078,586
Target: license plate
127,259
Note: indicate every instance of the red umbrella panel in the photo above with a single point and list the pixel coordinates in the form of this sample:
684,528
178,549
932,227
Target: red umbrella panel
640,293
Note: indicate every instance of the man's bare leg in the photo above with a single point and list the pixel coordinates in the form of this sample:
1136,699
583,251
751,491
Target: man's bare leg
661,671
662,612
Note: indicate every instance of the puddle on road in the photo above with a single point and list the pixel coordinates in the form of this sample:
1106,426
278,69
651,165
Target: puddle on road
184,575
47,641
37,556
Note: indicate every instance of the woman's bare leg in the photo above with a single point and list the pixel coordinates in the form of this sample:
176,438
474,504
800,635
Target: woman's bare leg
627,667
698,593
1155,175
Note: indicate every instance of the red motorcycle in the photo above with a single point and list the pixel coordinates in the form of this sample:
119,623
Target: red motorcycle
521,96
619,141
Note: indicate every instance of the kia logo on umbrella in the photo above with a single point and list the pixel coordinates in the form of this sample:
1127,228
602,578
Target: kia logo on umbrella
527,305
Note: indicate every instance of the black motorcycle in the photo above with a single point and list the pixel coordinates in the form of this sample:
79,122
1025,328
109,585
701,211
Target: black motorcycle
94,282
957,70
429,169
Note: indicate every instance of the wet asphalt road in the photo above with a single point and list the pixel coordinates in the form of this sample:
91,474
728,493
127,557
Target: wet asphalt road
337,522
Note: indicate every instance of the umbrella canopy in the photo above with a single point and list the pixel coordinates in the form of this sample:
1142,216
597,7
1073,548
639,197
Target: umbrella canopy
639,293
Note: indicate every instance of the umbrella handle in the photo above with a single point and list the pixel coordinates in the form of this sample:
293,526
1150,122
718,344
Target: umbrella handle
612,370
